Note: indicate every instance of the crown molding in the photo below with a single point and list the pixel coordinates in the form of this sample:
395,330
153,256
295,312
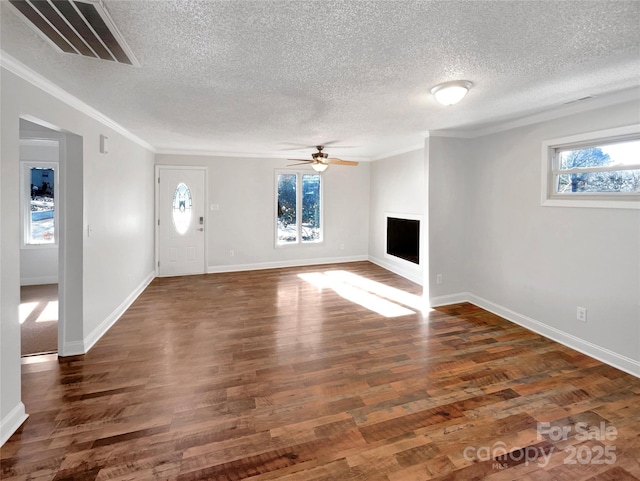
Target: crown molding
564,110
454,134
18,68
393,153
218,153
245,155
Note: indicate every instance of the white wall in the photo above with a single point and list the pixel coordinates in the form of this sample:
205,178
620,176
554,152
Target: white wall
244,189
450,203
398,186
113,193
12,412
119,211
536,264
35,151
39,264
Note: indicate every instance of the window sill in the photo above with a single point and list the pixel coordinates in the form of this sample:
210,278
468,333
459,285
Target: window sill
299,244
593,203
39,246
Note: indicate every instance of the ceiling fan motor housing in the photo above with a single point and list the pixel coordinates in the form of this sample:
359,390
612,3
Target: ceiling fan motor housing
319,156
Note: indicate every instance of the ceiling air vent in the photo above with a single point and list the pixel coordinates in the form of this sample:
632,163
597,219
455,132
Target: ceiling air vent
83,27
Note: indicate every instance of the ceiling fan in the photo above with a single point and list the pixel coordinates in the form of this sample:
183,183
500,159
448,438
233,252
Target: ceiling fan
320,160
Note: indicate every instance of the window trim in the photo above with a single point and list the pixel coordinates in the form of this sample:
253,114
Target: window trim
25,202
551,147
299,242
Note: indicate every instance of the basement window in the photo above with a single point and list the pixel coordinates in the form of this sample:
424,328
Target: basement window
600,169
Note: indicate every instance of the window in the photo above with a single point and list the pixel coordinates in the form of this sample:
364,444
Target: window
39,202
601,169
298,208
182,205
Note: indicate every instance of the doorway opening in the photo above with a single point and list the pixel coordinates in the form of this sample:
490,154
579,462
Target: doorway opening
39,253
52,254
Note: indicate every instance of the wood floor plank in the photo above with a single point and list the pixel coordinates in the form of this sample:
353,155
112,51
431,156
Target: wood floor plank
265,375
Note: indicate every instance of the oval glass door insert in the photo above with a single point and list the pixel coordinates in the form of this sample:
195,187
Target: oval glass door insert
182,208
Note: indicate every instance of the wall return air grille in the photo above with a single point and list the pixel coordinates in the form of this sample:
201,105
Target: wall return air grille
82,27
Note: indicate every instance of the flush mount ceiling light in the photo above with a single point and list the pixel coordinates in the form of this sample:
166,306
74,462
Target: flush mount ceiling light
450,93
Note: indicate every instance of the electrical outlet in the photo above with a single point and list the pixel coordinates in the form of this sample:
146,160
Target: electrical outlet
581,314
438,278
231,253
341,247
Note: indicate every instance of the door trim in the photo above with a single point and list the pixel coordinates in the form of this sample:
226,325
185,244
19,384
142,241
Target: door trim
205,170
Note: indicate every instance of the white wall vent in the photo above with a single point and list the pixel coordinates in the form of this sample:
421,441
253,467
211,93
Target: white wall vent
82,27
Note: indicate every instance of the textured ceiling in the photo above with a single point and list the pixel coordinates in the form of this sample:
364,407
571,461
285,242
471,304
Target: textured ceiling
261,77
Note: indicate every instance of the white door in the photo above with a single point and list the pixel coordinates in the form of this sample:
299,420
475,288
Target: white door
181,223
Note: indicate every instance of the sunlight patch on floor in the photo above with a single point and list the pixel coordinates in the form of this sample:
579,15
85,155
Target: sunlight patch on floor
419,303
49,313
375,296
25,310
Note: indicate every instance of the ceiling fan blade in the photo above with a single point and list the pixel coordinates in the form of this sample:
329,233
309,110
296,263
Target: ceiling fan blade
302,160
341,162
306,162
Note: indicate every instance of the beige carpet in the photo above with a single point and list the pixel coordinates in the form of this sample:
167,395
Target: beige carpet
39,319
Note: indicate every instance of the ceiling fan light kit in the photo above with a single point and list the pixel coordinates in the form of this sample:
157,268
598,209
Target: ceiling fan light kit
450,93
320,160
319,166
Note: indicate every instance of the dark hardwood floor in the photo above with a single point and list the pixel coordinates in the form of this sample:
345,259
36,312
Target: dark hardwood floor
298,374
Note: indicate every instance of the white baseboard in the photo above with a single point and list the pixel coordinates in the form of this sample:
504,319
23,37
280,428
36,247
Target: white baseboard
413,274
72,348
619,361
11,422
279,264
38,281
450,299
104,326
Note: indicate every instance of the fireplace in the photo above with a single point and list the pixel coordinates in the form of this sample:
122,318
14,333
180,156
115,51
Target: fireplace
403,238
